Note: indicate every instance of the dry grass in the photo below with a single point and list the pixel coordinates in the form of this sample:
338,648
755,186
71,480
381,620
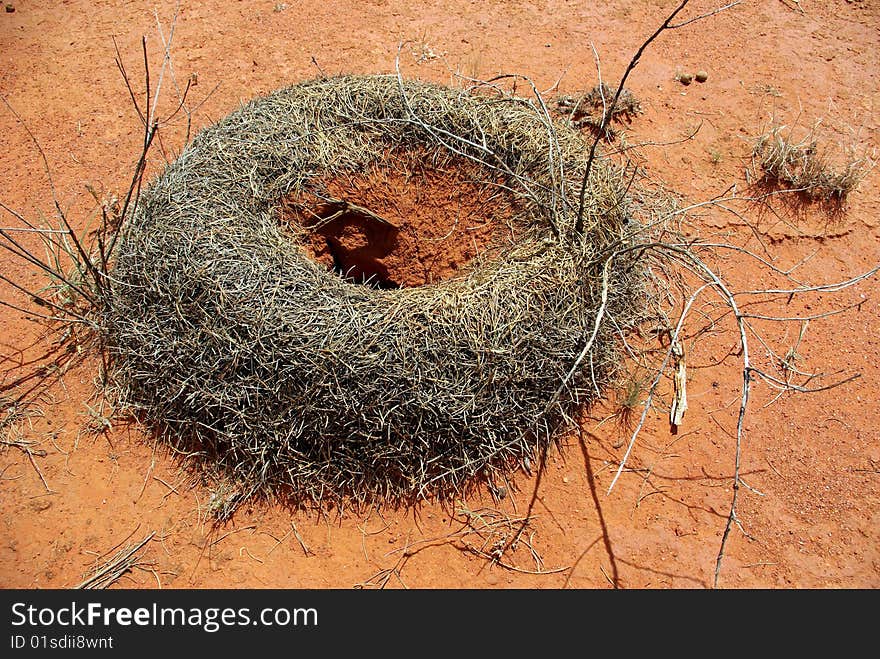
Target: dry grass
781,161
629,398
237,347
588,110
122,562
13,415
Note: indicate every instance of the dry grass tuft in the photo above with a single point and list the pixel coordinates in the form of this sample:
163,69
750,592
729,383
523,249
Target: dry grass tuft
629,398
588,110
782,162
239,348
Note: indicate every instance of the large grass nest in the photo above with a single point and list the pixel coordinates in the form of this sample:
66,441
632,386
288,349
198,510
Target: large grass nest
239,348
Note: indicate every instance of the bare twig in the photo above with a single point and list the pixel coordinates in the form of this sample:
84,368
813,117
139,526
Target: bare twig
606,118
122,562
675,26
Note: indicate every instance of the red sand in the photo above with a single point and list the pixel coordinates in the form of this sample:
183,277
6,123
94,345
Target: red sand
814,458
435,222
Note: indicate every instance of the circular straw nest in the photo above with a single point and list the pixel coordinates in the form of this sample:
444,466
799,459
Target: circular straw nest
236,346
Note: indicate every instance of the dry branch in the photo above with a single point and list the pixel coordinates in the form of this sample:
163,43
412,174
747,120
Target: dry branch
124,561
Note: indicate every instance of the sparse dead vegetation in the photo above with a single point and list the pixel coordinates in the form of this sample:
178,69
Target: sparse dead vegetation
591,108
496,536
127,559
630,395
14,415
803,166
242,353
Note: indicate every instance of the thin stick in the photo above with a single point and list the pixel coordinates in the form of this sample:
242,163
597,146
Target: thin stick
606,269
107,574
149,470
706,15
39,473
606,118
173,490
86,259
299,539
654,384
121,67
166,59
25,447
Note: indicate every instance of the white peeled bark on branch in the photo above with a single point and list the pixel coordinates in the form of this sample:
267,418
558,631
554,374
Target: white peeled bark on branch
679,381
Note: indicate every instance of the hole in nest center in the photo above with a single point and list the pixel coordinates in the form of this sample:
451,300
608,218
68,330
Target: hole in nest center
405,221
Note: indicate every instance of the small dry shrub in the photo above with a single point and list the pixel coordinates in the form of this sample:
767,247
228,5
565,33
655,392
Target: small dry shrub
780,161
588,110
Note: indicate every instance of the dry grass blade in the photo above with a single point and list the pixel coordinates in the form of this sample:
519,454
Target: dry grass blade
125,560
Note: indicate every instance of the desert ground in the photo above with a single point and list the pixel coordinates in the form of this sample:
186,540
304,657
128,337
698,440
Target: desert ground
78,484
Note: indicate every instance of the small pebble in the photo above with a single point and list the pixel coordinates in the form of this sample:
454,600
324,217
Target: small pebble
685,78
701,76
10,9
